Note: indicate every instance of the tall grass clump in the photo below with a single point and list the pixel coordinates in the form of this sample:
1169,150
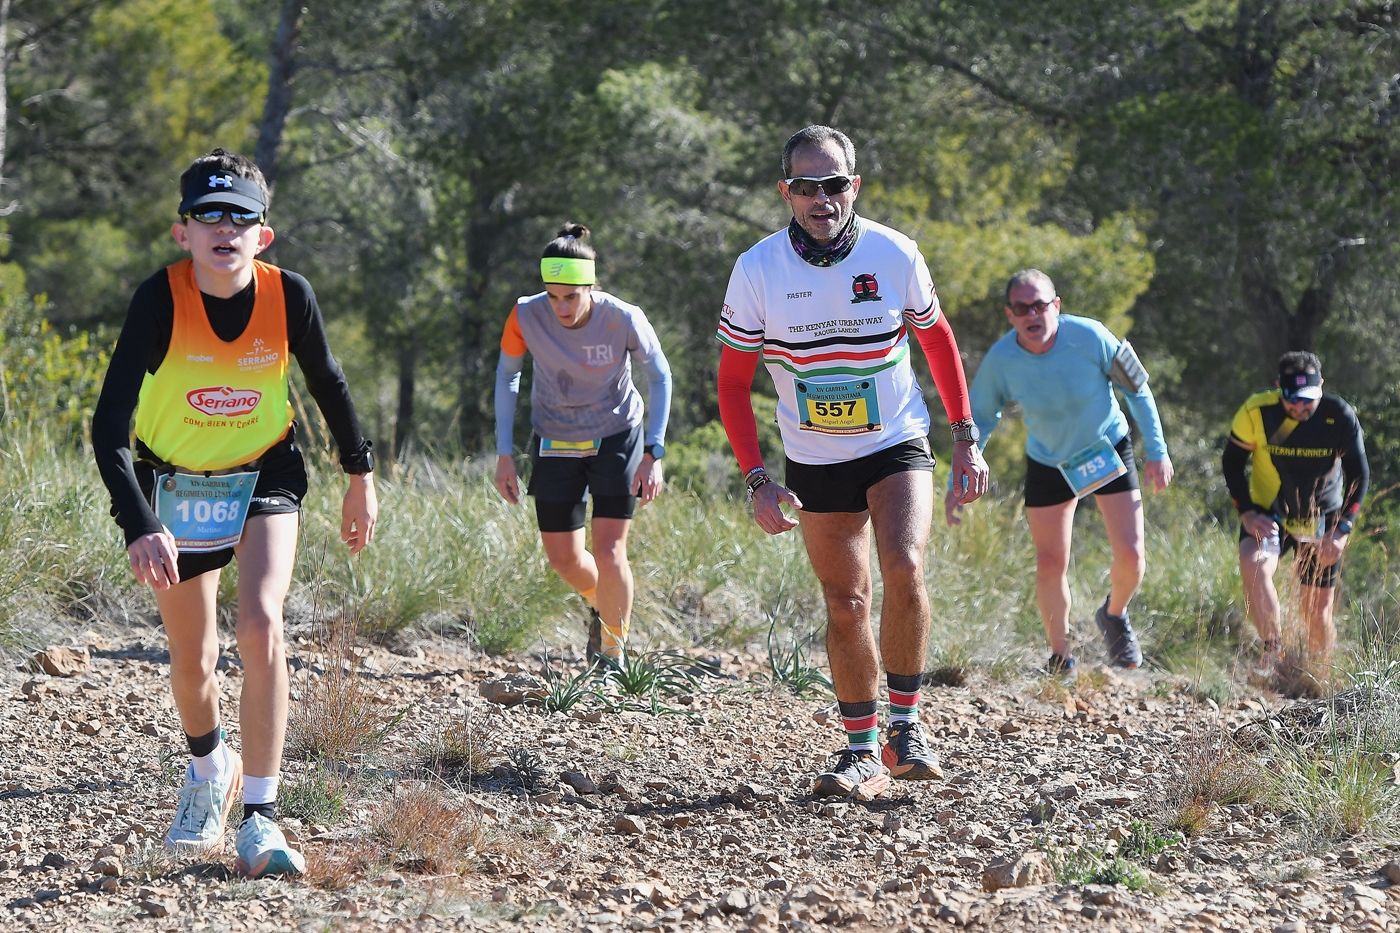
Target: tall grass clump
337,715
1333,758
448,552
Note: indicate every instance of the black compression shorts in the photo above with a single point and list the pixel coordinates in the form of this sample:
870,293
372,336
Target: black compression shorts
281,487
1309,568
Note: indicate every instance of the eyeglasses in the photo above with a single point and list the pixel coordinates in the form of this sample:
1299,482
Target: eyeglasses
215,215
805,186
1039,307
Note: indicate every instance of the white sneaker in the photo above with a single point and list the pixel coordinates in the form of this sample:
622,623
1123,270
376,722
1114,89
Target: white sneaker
203,810
263,850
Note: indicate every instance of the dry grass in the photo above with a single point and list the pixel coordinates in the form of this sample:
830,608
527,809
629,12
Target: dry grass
464,750
1212,770
419,829
338,716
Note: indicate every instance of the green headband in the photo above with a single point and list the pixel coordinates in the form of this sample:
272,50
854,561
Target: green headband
558,270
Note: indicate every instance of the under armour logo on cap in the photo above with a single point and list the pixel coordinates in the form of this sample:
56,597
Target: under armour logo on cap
220,181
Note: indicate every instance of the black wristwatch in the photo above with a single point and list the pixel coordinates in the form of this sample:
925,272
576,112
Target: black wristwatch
656,450
366,465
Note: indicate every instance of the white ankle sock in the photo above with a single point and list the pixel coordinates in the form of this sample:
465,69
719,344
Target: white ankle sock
215,764
259,789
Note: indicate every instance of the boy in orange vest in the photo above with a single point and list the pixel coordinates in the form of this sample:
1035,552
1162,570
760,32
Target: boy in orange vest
216,473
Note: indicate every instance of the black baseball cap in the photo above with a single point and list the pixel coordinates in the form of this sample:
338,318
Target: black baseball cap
1300,380
218,187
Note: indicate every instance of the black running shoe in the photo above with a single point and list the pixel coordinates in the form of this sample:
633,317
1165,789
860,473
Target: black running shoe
907,754
1118,637
1058,666
852,774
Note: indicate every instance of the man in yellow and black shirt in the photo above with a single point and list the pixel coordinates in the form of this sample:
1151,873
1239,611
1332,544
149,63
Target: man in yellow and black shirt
1307,478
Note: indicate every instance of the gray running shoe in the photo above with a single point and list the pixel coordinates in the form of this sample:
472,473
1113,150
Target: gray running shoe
595,636
907,754
263,850
1118,637
853,774
203,811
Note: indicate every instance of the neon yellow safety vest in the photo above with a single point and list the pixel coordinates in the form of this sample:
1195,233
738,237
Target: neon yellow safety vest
214,404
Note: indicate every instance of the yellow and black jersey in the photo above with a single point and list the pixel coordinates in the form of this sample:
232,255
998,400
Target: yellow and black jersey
1297,468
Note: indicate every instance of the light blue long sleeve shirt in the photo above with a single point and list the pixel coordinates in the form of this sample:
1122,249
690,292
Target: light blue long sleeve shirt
1065,394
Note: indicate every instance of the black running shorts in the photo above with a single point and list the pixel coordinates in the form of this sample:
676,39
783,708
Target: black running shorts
842,487
562,486
281,487
1046,485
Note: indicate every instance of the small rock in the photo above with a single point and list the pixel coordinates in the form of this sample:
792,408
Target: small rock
513,689
108,865
630,825
54,860
61,661
109,885
735,902
1390,871
156,907
580,782
1028,869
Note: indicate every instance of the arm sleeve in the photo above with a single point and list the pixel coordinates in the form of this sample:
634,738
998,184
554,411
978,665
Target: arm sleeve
941,348
735,388
652,360
1356,474
507,392
1232,464
306,333
145,328
1144,410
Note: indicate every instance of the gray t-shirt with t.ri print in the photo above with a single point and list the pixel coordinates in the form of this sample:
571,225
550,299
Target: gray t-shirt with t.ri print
582,384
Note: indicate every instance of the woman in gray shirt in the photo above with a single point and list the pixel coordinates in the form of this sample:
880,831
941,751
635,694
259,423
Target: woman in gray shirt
587,417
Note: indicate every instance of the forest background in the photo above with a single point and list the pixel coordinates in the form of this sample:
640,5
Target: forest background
1215,180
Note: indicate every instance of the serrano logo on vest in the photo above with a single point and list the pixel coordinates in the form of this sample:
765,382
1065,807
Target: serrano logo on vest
224,400
865,288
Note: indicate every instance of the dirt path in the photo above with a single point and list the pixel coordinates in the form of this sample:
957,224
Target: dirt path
696,817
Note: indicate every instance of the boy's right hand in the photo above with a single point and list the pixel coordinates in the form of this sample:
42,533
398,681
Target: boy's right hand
507,481
153,560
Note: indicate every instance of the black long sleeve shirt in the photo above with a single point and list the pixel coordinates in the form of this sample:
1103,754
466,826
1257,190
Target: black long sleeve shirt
140,349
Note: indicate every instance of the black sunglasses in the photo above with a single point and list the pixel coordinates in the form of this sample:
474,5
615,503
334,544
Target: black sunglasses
215,215
805,186
1021,310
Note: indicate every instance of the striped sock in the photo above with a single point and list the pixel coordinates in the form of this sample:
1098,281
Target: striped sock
904,696
862,725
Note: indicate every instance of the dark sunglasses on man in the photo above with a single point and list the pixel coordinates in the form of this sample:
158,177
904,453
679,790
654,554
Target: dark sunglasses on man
210,216
805,186
1021,310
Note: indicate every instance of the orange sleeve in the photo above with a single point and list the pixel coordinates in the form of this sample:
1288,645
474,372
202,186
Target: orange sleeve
512,340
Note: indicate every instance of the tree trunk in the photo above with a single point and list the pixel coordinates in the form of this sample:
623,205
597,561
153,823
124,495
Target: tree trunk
7,205
403,417
281,70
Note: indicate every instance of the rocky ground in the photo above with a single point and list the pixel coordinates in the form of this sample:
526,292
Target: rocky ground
693,813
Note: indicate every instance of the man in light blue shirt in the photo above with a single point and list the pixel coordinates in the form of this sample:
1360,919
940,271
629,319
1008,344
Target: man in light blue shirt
1062,371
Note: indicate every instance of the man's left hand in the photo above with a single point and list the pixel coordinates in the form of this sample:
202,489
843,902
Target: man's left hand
649,481
969,472
1330,548
1159,473
359,512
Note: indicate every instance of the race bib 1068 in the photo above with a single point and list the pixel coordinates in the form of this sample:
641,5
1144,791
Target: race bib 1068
204,513
838,407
